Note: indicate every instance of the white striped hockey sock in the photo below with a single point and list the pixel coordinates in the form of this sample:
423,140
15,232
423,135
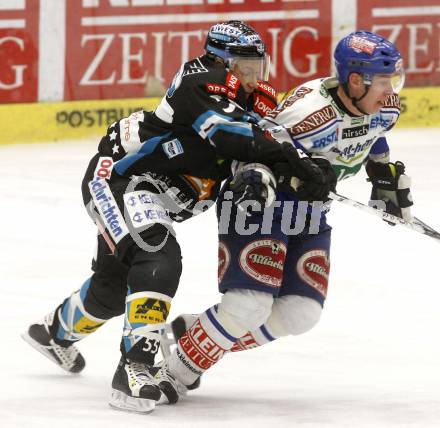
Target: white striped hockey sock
202,346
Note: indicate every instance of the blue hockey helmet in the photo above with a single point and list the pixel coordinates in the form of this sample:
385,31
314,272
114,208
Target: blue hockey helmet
234,40
368,54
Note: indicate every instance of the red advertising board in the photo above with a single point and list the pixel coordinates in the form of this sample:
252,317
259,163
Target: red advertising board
19,51
118,51
97,49
414,26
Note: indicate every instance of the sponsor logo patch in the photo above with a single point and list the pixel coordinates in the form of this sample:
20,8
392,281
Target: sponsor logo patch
194,67
172,148
313,267
357,120
199,347
357,131
144,208
245,342
148,311
130,127
314,120
232,82
392,101
229,89
265,88
360,44
215,88
380,120
263,105
108,209
354,151
104,167
300,93
85,325
263,260
323,140
224,258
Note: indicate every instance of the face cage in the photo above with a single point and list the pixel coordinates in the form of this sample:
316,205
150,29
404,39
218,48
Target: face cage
383,81
250,67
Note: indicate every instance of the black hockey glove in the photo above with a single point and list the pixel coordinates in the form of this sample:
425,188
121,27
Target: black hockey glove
329,173
390,186
311,179
253,184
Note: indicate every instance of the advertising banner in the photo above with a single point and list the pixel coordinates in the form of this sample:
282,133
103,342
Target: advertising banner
18,51
80,50
414,26
115,50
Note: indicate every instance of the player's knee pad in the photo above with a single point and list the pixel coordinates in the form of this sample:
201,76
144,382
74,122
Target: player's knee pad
73,321
157,271
294,314
244,310
145,314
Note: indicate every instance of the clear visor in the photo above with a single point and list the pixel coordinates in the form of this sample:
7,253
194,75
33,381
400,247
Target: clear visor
251,68
387,82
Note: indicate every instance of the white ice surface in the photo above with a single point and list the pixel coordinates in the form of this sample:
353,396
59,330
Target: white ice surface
373,360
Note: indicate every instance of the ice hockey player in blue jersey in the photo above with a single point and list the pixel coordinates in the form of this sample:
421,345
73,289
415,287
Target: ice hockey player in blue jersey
274,281
153,168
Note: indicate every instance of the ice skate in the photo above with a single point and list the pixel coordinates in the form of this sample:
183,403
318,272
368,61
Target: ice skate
134,389
66,356
172,389
173,333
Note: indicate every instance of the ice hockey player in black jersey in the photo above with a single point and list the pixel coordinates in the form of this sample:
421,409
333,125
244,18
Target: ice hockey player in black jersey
153,168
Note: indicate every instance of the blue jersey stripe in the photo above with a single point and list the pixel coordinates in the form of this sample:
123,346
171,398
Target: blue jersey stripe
146,149
197,125
233,129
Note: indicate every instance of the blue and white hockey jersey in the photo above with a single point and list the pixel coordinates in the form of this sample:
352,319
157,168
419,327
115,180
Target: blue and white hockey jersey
313,119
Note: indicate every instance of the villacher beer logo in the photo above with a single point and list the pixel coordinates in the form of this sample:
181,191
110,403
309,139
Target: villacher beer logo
313,267
263,260
224,258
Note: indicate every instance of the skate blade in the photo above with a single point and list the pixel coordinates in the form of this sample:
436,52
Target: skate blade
167,341
162,400
125,403
42,350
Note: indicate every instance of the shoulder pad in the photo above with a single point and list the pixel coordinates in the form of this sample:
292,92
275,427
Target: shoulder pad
267,89
264,99
314,120
297,94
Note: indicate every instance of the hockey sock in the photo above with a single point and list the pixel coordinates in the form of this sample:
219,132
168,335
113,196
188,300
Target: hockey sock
271,330
145,314
253,339
202,345
71,321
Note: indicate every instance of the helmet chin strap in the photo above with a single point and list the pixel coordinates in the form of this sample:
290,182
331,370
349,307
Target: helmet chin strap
355,100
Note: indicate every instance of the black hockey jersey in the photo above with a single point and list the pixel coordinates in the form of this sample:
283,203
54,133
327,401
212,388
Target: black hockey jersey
200,125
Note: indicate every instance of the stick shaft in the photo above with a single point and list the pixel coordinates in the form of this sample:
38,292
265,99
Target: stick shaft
416,225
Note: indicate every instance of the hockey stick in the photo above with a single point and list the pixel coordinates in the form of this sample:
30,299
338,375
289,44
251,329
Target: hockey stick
416,225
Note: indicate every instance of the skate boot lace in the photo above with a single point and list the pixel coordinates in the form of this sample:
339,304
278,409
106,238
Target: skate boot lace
139,371
66,355
163,374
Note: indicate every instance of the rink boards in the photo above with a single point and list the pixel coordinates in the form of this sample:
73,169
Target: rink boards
36,122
